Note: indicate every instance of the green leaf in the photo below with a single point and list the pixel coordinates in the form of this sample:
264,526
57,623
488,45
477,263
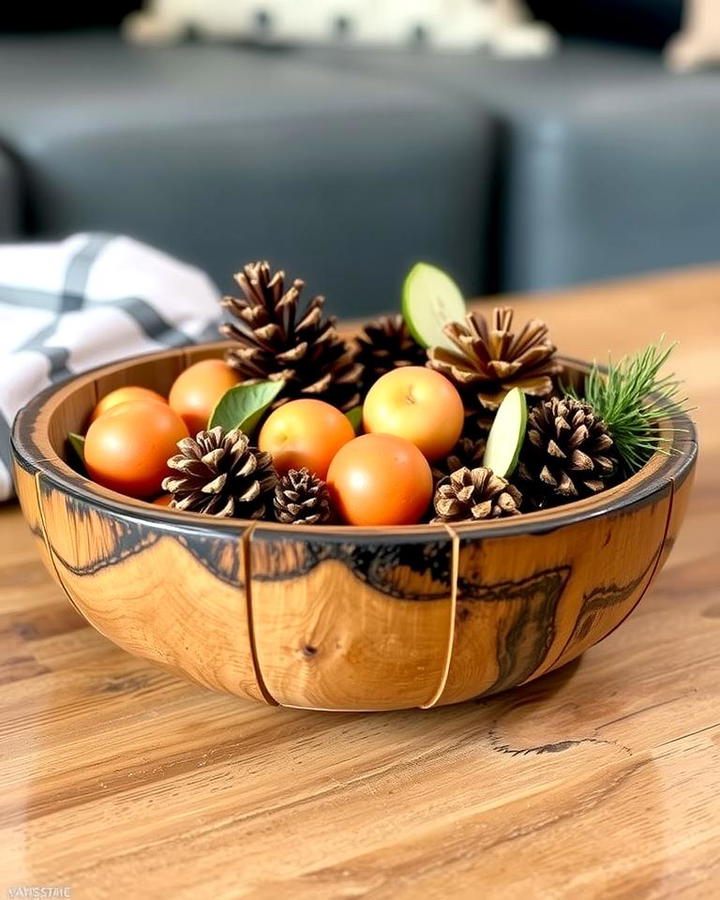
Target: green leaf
77,443
243,405
354,417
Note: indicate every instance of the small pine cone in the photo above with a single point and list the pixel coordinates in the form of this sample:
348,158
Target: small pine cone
301,498
274,339
466,454
385,344
220,474
489,358
568,454
471,495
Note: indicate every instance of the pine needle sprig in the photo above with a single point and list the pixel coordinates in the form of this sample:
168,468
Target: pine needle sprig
633,400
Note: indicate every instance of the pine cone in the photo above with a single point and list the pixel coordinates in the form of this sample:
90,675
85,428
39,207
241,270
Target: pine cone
470,495
385,344
273,341
220,474
301,498
466,454
491,360
568,453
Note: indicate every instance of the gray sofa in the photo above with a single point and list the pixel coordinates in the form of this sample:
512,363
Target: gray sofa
607,164
345,166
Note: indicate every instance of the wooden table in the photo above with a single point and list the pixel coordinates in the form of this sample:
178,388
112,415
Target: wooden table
601,780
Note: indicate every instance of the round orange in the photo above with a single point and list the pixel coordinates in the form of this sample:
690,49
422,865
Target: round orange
305,433
127,449
417,404
124,395
163,500
196,391
380,479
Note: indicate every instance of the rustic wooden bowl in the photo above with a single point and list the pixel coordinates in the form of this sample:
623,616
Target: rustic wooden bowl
339,618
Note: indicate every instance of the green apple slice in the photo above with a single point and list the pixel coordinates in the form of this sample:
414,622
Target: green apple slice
507,434
430,300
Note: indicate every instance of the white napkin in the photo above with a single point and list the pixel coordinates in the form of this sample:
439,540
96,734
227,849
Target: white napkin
91,299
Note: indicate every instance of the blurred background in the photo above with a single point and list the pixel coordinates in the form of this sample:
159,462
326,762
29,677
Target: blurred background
581,158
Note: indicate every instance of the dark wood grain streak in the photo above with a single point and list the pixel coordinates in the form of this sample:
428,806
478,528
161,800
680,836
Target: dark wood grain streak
387,567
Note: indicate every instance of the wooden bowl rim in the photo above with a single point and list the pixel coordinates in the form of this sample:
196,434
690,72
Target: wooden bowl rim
655,476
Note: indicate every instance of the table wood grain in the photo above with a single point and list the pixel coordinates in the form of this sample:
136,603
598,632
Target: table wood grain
601,780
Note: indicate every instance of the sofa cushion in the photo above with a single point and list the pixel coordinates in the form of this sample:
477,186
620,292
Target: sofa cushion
220,155
608,164
10,197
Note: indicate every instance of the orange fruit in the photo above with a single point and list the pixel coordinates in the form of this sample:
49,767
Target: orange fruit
380,479
417,404
125,395
127,449
305,433
196,391
163,500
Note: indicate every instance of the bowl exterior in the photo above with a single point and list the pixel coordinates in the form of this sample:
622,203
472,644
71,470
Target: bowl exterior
351,623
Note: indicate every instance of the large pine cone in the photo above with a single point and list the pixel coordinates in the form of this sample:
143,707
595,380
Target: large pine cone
301,498
471,495
273,340
490,360
385,344
220,474
568,454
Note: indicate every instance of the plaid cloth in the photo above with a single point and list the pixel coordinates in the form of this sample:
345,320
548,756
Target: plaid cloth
91,299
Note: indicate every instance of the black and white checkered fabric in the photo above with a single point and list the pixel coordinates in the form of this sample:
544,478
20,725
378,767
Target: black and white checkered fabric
66,307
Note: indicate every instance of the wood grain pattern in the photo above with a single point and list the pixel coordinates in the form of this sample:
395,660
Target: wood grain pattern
362,622
544,608
599,780
178,600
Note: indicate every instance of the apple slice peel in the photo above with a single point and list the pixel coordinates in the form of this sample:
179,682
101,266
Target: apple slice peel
430,300
507,434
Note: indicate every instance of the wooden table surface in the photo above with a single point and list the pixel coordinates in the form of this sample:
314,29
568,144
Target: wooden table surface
601,780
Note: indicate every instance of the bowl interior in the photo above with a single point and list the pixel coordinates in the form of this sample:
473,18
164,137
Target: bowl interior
41,431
